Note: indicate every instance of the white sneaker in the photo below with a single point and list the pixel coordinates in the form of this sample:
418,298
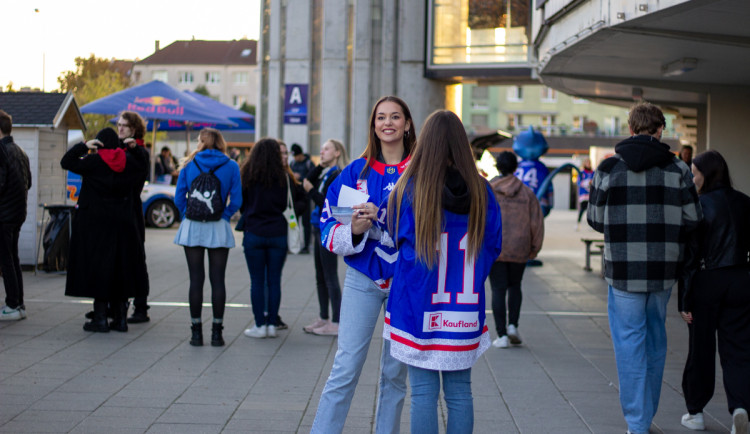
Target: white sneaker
693,421
739,421
320,322
22,309
10,314
271,331
501,342
259,332
515,338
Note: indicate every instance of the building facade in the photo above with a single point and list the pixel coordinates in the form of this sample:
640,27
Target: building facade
227,69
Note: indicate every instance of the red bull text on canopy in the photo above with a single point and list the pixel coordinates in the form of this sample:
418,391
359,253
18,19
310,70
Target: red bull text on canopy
156,104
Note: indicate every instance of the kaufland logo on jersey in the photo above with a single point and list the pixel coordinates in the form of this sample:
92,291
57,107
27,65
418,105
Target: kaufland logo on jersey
445,321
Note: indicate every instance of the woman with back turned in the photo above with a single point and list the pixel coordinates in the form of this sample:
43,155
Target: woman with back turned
716,295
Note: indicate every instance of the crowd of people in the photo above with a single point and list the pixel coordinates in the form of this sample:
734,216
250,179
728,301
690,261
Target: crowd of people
420,231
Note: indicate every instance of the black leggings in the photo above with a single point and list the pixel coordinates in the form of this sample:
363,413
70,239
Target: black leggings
217,265
584,204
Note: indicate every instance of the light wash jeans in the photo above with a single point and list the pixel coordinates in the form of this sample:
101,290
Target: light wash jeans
637,323
425,391
361,303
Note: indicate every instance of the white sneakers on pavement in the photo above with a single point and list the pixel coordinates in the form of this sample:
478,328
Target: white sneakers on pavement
513,335
739,421
501,342
258,332
12,314
271,331
693,421
320,322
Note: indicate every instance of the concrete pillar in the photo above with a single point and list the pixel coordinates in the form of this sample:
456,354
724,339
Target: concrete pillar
727,112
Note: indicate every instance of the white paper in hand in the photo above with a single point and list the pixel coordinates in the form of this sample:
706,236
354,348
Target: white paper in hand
349,197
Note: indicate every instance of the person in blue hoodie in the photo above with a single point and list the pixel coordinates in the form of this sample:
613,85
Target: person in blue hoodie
213,235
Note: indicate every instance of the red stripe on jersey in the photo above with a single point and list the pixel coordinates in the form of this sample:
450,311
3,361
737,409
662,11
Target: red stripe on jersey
330,237
433,347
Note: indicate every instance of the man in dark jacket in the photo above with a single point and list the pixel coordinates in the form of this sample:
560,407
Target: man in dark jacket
15,182
643,200
302,166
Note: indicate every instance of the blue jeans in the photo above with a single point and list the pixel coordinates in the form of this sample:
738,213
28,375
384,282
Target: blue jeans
425,391
361,304
637,323
265,258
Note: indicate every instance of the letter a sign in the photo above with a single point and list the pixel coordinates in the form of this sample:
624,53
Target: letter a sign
295,104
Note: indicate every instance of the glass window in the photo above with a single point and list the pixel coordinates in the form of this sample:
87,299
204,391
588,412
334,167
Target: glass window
238,100
548,123
185,77
159,75
479,31
515,93
578,122
548,94
580,101
480,92
514,122
479,121
213,77
241,77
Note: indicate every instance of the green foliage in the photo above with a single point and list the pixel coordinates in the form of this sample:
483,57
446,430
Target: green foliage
93,78
247,108
9,87
201,89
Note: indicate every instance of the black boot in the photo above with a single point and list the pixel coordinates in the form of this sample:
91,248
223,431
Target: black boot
140,314
197,339
216,339
119,315
98,323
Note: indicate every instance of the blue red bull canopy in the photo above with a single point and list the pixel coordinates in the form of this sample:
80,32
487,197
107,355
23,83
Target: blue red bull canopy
245,121
157,100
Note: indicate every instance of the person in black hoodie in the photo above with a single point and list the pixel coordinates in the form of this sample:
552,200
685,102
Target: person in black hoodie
15,182
106,250
716,296
643,200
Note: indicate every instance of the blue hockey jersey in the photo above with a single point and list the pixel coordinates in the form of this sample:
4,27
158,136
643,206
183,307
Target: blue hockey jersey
435,317
370,257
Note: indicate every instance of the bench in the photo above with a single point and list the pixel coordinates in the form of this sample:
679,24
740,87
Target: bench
598,245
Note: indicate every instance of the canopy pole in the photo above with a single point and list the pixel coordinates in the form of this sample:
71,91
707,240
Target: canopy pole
152,165
187,137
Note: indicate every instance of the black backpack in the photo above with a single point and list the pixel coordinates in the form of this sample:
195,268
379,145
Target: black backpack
204,202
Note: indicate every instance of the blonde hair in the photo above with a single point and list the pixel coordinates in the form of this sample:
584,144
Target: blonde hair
208,138
343,159
442,143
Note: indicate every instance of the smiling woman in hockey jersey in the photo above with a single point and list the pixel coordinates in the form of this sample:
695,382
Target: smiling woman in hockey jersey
205,225
369,272
435,317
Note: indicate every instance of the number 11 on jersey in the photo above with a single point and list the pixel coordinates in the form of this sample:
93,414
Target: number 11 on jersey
467,294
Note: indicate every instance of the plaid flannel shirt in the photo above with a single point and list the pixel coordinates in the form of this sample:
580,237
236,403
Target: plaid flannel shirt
643,216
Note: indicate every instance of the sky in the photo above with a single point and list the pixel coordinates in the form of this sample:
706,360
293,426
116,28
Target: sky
42,38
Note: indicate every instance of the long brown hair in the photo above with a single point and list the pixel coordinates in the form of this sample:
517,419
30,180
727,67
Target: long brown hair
208,138
441,143
264,167
373,142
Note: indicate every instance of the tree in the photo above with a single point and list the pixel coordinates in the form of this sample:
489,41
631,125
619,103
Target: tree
92,79
201,89
247,108
9,87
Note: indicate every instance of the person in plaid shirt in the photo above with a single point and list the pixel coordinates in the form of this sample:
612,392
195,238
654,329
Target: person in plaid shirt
643,200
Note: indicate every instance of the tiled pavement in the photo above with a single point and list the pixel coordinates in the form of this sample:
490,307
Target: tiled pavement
54,377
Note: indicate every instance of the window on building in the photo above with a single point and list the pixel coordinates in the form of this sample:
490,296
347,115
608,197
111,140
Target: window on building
479,121
213,77
548,94
159,75
238,100
185,77
515,93
613,126
548,124
246,52
480,92
578,122
580,101
241,77
479,31
137,76
514,122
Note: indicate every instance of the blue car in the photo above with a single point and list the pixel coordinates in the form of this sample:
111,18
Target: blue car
158,205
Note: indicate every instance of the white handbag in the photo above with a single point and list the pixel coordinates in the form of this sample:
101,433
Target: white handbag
294,231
